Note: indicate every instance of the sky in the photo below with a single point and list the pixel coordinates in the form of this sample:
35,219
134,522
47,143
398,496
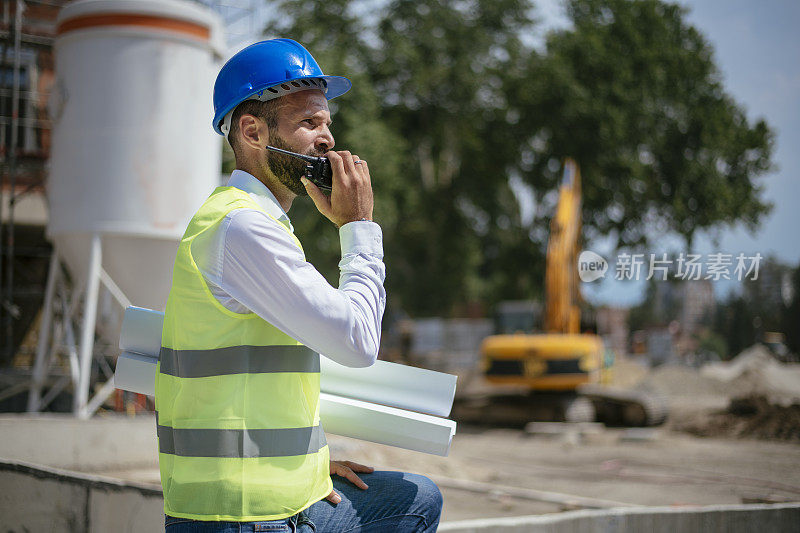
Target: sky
757,49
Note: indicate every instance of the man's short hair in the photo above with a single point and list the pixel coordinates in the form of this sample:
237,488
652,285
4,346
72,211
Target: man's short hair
267,111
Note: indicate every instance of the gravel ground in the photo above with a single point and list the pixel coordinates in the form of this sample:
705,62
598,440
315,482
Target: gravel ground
670,469
643,468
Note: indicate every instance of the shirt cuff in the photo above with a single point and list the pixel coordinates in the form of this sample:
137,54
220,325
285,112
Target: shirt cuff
361,237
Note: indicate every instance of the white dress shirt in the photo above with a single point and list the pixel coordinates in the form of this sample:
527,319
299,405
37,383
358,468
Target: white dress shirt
252,264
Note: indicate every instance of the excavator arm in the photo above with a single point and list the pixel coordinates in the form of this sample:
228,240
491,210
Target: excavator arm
562,314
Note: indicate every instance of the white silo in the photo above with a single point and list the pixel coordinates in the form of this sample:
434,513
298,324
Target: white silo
133,154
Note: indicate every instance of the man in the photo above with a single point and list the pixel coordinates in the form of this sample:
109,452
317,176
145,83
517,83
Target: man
237,392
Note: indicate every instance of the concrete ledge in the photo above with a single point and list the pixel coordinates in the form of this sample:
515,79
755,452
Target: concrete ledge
714,518
63,441
38,498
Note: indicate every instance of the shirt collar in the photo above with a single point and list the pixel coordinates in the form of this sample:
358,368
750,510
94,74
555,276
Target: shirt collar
261,194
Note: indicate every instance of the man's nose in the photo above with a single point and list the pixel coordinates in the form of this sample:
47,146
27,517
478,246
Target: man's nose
324,141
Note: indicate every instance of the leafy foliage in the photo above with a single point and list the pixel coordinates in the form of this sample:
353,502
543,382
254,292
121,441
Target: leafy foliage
633,94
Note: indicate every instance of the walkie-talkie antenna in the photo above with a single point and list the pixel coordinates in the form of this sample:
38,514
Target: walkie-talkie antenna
308,158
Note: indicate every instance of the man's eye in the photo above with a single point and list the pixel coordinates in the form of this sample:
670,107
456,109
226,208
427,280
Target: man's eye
309,121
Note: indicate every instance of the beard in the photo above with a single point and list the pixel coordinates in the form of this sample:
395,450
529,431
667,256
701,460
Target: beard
286,168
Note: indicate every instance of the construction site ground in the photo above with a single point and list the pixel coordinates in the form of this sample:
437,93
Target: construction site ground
704,455
489,470
707,453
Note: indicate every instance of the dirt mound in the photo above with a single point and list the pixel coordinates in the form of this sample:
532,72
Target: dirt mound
753,416
754,395
682,381
756,372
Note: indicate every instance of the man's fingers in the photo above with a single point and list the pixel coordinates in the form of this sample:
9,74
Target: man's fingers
351,195
351,476
319,198
354,479
357,164
334,497
337,166
365,169
349,167
340,468
356,467
361,167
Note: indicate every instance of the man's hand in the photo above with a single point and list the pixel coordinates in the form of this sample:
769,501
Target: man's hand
348,469
351,194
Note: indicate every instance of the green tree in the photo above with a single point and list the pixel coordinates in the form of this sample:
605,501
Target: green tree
440,70
631,91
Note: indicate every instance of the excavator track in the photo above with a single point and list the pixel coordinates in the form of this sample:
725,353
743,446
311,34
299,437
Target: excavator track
611,406
625,407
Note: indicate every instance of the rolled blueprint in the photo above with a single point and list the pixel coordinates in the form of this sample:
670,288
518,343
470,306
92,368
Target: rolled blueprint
385,383
136,373
405,387
385,425
141,331
339,416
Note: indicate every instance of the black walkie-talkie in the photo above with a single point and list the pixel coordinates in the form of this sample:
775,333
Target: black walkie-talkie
318,169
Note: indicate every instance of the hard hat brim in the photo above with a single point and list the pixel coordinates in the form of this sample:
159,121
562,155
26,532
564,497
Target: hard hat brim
336,86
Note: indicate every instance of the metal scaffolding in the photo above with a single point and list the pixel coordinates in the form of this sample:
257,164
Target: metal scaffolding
27,32
55,312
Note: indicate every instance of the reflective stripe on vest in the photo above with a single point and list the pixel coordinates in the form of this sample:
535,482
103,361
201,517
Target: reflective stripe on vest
241,443
237,360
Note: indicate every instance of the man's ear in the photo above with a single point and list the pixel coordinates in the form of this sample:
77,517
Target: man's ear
254,132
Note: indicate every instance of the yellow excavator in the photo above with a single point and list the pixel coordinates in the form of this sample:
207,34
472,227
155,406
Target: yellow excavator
565,372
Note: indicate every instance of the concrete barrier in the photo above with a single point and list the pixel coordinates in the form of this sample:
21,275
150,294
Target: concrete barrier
38,498
774,518
62,441
40,490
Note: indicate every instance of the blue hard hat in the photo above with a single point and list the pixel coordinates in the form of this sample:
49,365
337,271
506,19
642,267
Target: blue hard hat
267,70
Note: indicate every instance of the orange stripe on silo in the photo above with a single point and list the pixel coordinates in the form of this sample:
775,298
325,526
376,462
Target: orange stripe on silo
141,21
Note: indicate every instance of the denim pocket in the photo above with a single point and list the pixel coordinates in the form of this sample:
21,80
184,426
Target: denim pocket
173,521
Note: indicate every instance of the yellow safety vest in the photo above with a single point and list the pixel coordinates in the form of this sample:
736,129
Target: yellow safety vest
237,401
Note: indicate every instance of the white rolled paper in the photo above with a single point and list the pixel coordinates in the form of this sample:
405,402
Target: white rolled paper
141,331
136,373
385,425
404,387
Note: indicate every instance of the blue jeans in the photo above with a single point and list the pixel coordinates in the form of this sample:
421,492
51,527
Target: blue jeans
394,502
